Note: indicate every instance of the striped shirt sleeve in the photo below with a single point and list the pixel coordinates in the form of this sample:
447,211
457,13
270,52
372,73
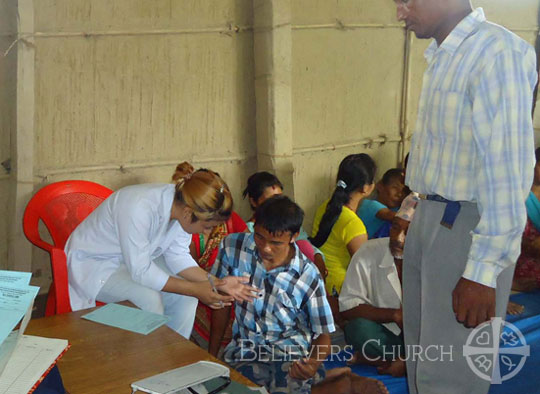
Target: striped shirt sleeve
502,122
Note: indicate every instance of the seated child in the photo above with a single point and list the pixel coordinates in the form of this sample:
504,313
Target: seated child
378,214
263,185
282,338
370,300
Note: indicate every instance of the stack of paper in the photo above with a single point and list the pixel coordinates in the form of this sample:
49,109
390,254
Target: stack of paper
30,362
16,301
23,359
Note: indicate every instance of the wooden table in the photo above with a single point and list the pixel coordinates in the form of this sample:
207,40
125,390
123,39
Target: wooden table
104,359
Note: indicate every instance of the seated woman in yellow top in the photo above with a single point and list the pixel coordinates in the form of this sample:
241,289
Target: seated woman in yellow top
337,231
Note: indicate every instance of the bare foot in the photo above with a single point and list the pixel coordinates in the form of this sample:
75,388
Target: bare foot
363,385
337,381
335,372
343,381
396,368
514,309
359,358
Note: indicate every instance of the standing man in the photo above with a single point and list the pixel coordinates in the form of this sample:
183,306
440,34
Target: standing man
472,159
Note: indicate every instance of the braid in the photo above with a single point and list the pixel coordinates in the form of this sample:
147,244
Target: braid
355,171
339,198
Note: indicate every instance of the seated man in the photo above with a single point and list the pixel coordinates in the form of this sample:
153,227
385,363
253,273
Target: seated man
377,214
370,300
281,339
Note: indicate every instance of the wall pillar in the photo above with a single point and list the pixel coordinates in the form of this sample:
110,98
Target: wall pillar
273,52
22,142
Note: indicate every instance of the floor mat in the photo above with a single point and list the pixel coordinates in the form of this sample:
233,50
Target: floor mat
526,381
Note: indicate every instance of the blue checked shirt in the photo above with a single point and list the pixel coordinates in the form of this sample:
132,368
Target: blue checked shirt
474,138
293,306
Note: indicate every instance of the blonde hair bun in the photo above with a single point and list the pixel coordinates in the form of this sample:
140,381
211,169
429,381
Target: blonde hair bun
183,172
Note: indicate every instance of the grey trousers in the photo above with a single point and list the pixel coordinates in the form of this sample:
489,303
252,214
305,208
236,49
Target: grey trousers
434,260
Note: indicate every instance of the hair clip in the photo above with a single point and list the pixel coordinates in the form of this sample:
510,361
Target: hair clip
342,184
221,188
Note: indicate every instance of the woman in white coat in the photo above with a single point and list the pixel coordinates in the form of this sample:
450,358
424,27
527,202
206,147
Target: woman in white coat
135,246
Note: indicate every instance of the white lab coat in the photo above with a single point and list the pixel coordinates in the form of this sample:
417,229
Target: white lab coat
131,227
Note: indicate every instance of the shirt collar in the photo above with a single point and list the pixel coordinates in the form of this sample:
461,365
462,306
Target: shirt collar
295,261
388,260
464,29
168,201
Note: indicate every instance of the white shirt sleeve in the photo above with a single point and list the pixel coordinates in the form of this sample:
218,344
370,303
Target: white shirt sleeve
177,256
133,226
356,288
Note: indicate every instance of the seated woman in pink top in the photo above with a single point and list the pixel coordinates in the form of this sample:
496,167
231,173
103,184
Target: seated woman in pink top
263,185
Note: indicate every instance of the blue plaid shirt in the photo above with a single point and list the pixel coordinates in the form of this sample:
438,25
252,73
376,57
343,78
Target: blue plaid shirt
474,137
293,306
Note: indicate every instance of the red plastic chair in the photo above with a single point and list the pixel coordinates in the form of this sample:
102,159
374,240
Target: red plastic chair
61,206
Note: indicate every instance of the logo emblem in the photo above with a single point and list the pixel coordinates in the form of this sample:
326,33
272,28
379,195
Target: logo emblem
496,346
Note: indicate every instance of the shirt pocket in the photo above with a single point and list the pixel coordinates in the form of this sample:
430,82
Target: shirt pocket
444,114
285,309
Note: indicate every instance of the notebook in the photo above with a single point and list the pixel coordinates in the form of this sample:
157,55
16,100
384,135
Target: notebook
127,318
32,359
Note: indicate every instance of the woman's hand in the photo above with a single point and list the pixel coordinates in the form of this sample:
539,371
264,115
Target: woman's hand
237,287
205,293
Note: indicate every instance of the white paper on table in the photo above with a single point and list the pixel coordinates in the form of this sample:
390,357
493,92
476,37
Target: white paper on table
10,343
31,359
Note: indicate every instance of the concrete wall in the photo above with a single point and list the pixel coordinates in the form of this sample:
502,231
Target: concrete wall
356,77
348,66
124,90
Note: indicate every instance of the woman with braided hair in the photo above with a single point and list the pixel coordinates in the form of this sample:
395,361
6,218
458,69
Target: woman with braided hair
135,247
337,231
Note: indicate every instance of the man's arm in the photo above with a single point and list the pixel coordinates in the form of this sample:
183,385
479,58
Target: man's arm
503,134
307,367
321,265
385,214
378,315
321,324
220,318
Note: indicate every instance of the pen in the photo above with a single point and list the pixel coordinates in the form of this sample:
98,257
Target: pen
211,280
